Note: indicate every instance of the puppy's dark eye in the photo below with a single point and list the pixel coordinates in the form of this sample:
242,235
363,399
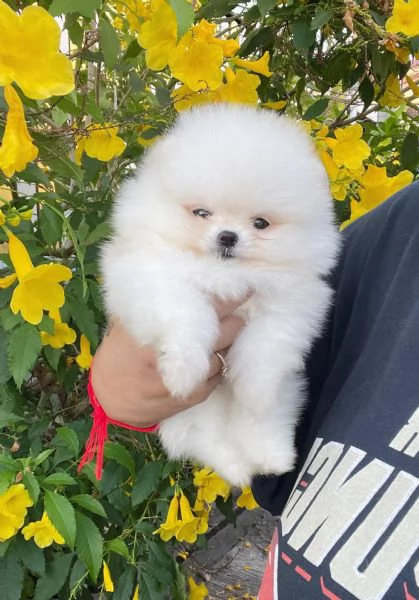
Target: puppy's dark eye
201,212
260,223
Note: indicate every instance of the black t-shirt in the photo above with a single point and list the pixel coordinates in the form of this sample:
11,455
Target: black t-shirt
349,524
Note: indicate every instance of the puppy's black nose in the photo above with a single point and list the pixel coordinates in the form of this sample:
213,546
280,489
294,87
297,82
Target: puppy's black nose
228,239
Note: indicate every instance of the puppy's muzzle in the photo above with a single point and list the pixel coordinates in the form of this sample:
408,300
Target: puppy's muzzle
226,242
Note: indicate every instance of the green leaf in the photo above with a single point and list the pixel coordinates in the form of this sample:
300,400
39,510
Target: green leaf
320,18
9,320
84,318
89,544
109,43
42,457
125,585
24,347
31,556
366,91
77,576
61,514
118,546
47,325
89,503
68,438
4,367
86,8
55,576
316,109
51,225
11,575
31,484
8,418
52,356
184,15
149,587
57,479
65,167
147,481
409,154
265,6
303,35
118,453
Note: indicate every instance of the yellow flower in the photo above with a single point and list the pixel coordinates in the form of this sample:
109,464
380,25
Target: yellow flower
84,359
136,595
63,334
246,499
16,149
26,215
43,532
170,527
197,591
197,63
260,66
13,509
6,282
402,54
144,141
350,150
101,142
205,32
184,98
357,210
38,288
2,218
14,219
392,96
377,187
413,86
158,36
405,18
240,87
278,105
107,579
339,179
29,53
134,11
191,525
211,485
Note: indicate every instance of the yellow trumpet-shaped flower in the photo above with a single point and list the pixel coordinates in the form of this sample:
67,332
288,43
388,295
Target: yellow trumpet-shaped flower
84,359
136,595
191,525
184,98
210,485
376,186
43,532
38,288
197,591
158,35
17,148
413,86
2,218
29,53
240,87
13,509
205,32
277,105
170,527
393,95
246,499
350,150
63,334
260,66
101,142
107,579
405,18
197,63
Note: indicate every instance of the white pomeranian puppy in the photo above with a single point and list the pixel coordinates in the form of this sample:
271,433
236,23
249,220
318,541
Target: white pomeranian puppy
232,199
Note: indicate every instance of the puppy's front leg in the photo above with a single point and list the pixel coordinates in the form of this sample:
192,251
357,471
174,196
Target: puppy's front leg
267,391
170,315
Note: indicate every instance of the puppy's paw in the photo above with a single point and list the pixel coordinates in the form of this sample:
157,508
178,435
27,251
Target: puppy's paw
276,461
182,370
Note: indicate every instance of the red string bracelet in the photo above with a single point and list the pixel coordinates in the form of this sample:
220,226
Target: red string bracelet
99,432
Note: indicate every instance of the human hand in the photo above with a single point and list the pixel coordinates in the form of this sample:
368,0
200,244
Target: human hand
129,387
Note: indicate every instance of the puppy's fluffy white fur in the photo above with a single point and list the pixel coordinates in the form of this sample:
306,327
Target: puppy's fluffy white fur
163,266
